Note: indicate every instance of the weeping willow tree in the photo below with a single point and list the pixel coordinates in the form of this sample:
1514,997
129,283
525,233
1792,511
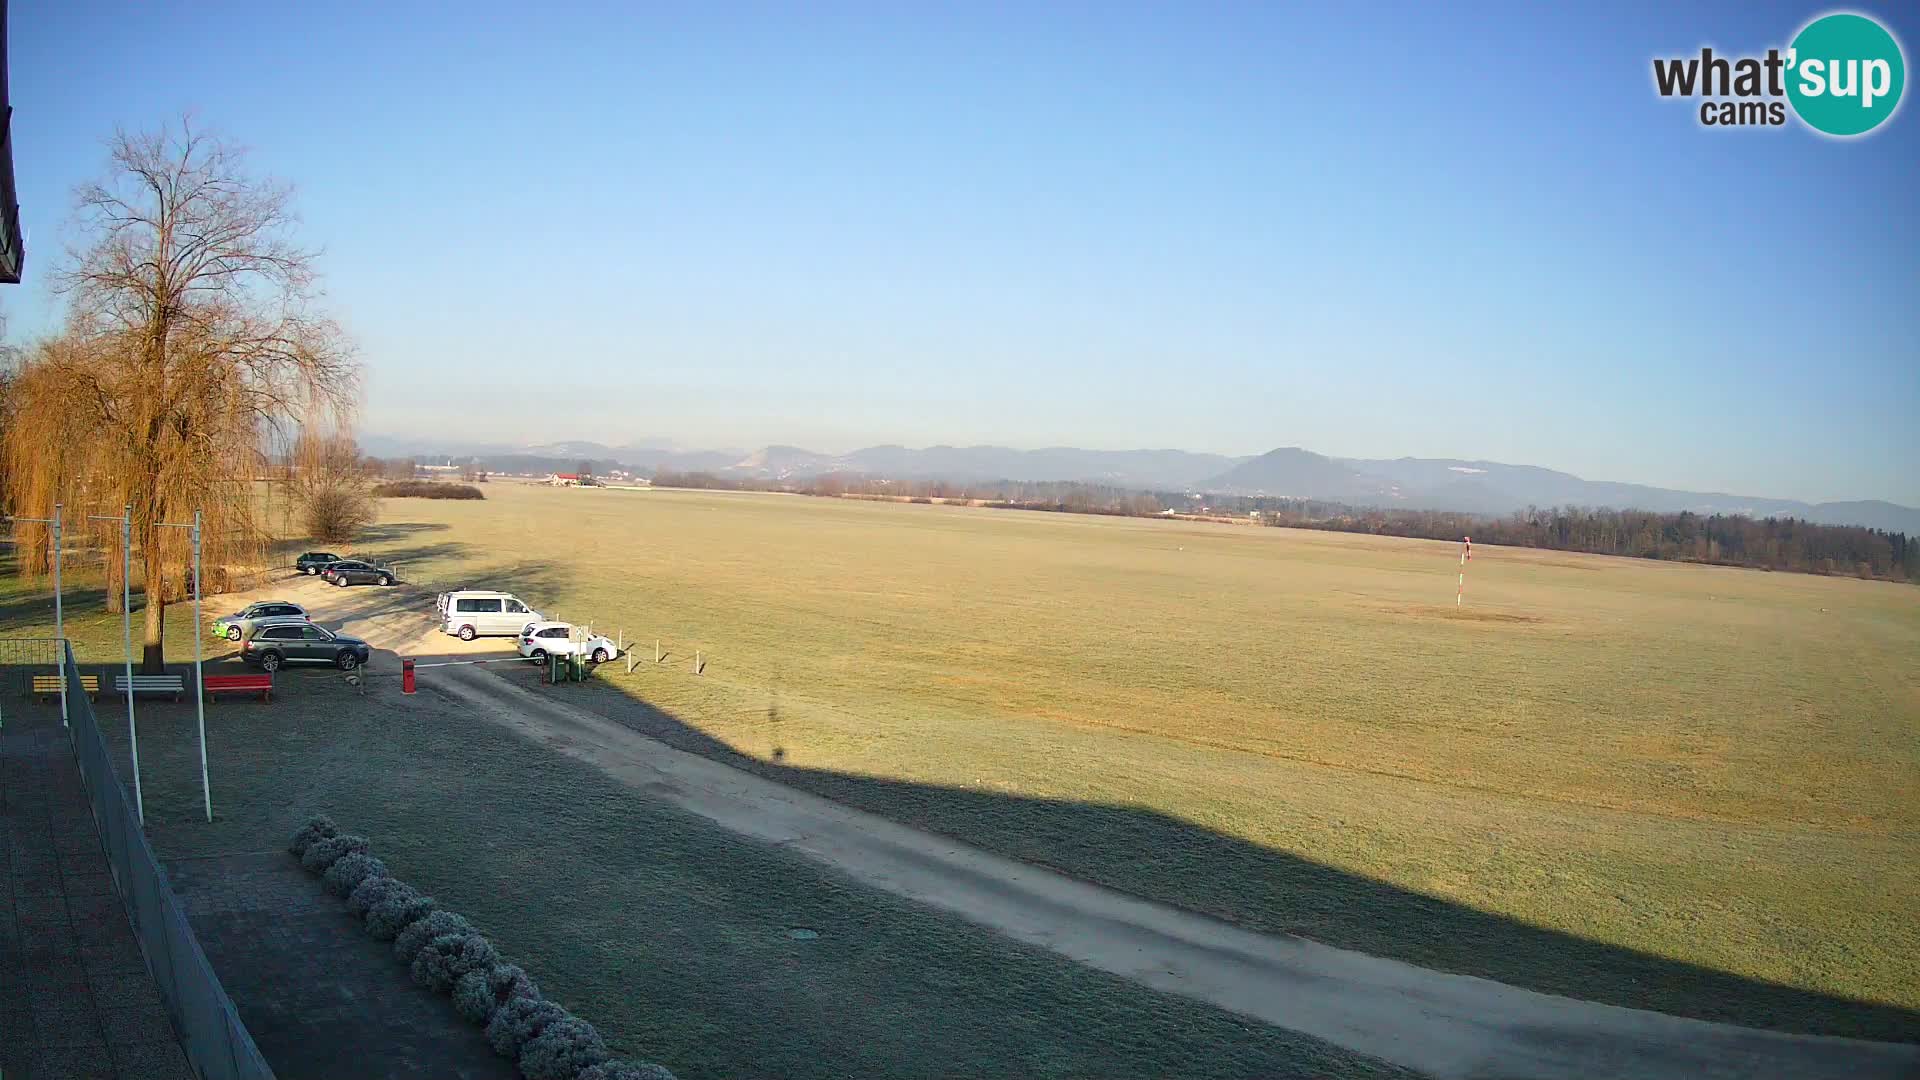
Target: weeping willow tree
190,342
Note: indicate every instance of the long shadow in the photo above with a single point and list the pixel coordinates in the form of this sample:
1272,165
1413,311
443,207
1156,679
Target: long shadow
1162,858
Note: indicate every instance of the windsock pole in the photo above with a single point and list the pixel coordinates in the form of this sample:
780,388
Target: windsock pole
1466,555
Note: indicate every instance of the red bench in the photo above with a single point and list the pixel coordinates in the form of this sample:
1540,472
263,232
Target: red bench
248,684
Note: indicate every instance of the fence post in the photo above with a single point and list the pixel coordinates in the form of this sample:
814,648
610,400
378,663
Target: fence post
697,665
656,650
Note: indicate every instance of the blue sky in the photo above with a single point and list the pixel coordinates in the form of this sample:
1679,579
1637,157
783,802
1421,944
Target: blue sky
1471,232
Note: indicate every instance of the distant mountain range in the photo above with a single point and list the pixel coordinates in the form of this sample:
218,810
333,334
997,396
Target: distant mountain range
1484,487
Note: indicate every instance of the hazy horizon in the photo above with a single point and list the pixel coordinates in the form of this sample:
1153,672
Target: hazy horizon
687,447
1124,227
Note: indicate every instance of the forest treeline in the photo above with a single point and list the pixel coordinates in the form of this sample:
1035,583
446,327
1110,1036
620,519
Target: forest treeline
1770,543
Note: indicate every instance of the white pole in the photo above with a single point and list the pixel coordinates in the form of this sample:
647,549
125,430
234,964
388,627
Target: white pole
59,614
199,686
126,640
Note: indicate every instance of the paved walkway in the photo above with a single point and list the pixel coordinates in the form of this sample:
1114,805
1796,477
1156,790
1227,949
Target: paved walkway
79,1002
322,999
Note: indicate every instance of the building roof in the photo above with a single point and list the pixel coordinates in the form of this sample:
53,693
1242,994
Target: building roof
13,253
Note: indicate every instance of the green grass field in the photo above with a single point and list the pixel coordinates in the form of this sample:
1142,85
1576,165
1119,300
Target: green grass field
1685,788
668,933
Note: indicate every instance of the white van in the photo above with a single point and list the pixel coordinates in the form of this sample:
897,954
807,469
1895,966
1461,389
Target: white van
472,613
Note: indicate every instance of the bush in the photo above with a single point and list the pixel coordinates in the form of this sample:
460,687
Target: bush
369,892
561,1049
518,1021
480,991
426,489
318,827
625,1070
322,854
337,509
400,908
446,958
348,871
418,935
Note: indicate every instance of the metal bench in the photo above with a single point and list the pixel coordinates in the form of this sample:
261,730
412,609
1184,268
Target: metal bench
48,686
152,684
239,684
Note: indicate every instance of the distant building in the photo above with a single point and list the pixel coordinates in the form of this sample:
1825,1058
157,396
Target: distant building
564,479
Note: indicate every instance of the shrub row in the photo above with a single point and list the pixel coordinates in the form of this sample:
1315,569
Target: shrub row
426,489
446,953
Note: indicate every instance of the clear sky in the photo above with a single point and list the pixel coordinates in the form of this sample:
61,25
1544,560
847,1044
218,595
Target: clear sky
1440,230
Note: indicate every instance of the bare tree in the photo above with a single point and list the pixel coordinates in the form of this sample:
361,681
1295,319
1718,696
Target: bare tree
330,487
191,341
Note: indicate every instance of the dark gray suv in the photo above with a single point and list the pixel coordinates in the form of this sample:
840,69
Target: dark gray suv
277,643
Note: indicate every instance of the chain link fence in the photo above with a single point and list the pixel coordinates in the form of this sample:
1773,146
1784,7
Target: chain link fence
216,1042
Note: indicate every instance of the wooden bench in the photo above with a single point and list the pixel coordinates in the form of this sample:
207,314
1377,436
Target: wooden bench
240,684
152,684
48,686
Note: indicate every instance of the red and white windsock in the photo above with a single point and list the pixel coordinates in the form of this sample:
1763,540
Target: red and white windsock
1466,555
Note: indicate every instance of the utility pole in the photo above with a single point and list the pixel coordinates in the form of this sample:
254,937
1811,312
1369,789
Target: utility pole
199,686
126,640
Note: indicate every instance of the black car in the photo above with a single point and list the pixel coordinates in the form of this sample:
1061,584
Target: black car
277,643
354,572
314,561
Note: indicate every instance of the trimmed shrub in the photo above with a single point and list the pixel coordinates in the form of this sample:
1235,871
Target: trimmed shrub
561,1049
348,871
518,1021
408,942
400,908
322,854
625,1070
318,827
369,892
444,959
482,990
426,489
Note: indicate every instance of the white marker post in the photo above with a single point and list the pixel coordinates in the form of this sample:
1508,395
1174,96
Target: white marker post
59,614
199,686
1466,554
126,641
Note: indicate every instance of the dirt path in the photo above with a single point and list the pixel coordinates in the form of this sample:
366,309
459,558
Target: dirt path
1441,1024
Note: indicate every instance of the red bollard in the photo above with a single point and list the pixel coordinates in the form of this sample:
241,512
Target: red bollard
406,676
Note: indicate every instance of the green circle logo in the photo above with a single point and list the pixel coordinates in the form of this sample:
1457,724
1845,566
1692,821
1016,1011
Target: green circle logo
1845,74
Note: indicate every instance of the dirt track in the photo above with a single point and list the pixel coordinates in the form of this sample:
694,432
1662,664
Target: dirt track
1438,1023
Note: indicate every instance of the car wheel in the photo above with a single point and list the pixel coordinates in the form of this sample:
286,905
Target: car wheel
340,580
347,661
386,579
270,661
539,658
599,656
233,633
466,633
311,571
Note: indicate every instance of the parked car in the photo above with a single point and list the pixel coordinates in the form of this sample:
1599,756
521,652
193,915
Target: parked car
354,572
541,640
235,626
296,641
471,613
314,561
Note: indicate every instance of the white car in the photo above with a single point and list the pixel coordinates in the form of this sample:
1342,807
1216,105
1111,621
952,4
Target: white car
539,640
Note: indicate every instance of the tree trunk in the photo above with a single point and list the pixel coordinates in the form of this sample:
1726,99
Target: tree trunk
153,658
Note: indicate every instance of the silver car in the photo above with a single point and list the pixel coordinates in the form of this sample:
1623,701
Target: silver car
239,624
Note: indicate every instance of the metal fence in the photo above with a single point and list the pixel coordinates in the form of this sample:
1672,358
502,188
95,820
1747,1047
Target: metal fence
216,1042
23,658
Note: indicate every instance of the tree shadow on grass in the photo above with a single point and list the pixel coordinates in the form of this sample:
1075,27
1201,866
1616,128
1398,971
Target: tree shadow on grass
1162,858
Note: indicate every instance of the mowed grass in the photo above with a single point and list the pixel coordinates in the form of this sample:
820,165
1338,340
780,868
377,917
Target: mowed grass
671,935
1673,787
1710,766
